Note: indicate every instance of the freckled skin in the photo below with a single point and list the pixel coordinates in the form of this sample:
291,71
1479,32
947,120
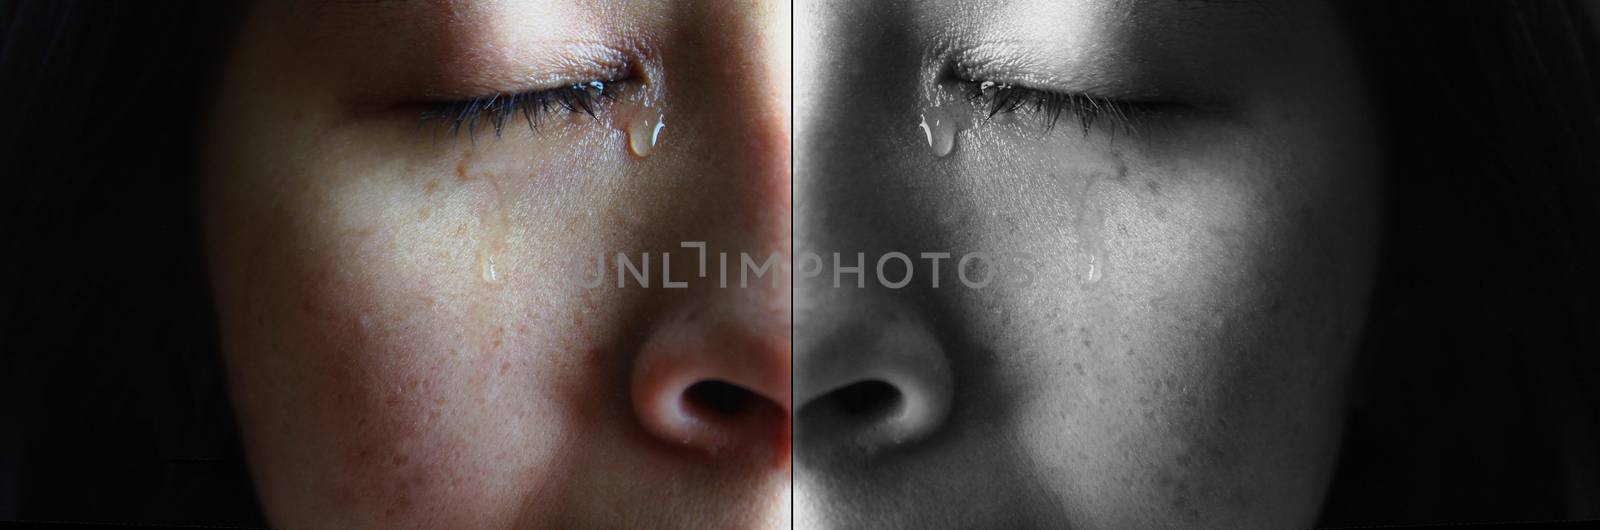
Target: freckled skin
406,341
1199,381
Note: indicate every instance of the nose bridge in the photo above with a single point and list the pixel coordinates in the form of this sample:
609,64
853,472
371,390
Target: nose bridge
732,76
736,248
855,64
730,200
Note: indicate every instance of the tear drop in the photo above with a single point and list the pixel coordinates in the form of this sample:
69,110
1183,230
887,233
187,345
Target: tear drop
938,127
491,274
493,224
644,132
1089,227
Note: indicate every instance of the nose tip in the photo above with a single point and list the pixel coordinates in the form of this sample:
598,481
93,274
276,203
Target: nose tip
872,384
715,384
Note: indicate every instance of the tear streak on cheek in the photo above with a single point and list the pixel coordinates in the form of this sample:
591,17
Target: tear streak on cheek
490,239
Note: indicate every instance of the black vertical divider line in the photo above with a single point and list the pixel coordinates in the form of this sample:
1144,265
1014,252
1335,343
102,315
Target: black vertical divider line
794,407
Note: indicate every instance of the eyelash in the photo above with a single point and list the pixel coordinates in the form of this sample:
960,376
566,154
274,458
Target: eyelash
533,106
997,98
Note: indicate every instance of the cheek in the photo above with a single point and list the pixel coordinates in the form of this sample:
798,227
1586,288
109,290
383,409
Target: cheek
373,344
1190,327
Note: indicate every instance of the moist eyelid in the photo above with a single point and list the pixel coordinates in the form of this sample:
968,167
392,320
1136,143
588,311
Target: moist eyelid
532,107
994,98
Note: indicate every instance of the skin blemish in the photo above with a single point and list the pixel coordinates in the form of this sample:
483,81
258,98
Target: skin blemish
1119,170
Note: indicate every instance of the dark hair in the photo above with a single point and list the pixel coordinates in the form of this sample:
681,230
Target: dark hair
113,403
1473,389
1475,396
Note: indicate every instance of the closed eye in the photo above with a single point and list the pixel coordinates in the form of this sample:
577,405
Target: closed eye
531,108
996,98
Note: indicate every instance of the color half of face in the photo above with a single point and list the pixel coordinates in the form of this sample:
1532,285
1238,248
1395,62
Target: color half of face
1175,204
404,204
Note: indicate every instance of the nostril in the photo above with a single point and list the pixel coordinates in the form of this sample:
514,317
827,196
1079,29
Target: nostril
873,378
864,401
714,415
719,397
870,415
865,389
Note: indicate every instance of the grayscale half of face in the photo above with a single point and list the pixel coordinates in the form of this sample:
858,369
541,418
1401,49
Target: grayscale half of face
1087,264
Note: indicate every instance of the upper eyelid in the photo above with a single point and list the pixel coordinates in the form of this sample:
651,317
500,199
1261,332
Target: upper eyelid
494,82
621,73
1133,111
464,79
1098,91
1096,79
1025,88
1088,109
531,106
965,65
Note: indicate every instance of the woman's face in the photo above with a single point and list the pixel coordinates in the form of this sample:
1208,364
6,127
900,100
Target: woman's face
408,336
405,203
1179,287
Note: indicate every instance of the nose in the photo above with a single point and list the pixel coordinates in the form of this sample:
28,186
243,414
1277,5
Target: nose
871,376
715,378
714,373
